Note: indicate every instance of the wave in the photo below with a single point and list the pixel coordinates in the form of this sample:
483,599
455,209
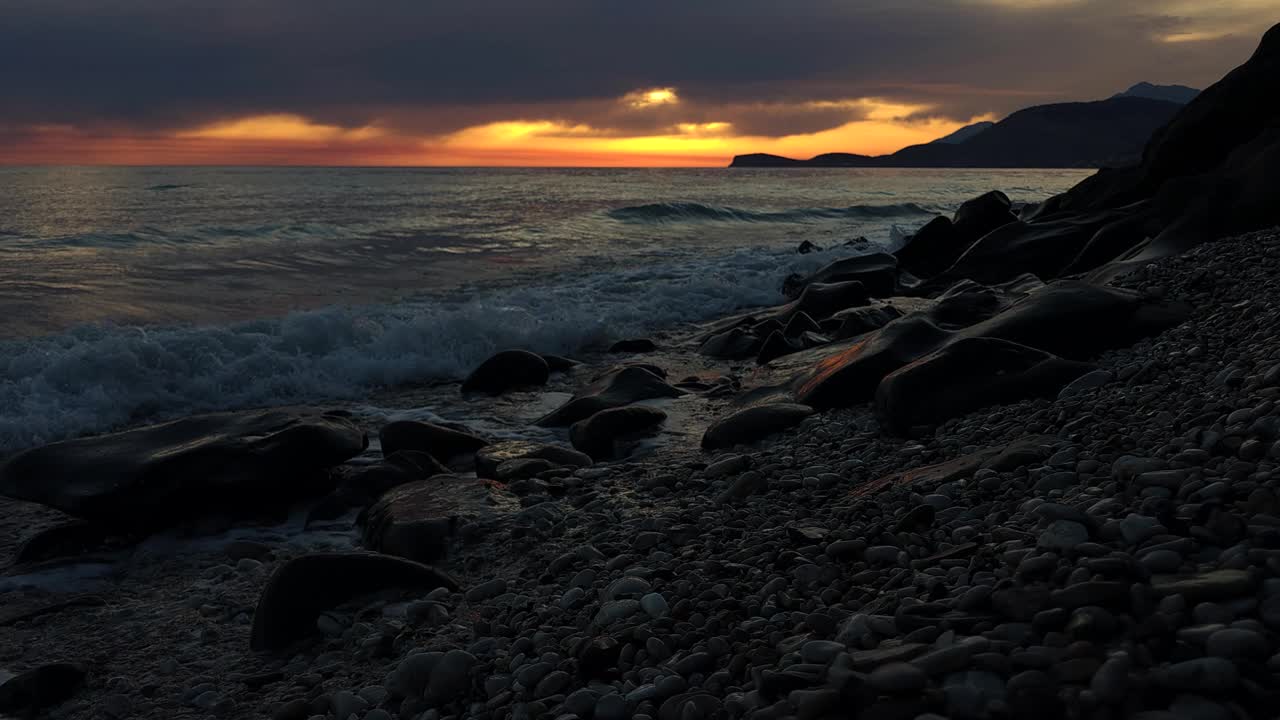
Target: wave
694,211
170,186
100,377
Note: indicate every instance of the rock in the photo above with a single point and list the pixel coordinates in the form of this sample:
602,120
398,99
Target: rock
748,483
983,214
404,466
1085,383
450,677
966,375
1063,536
1206,586
597,435
897,678
821,300
491,456
728,465
856,321
35,691
933,248
521,469
777,345
1111,683
438,441
1210,674
1238,644
616,387
654,605
878,273
307,585
507,370
1069,319
486,590
417,520
635,345
753,424
153,477
413,673
733,343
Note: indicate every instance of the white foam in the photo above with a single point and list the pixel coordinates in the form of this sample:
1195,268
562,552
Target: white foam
95,378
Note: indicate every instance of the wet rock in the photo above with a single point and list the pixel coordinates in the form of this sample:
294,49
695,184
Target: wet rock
597,435
34,692
490,457
616,387
507,370
153,477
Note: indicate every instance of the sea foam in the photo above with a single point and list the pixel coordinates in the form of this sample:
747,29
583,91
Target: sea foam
96,378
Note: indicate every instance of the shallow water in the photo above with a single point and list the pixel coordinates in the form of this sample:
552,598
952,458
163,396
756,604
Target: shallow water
131,294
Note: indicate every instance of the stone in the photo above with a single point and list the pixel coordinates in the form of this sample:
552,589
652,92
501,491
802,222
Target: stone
418,520
1238,644
897,678
1063,536
507,370
597,435
746,484
615,387
490,457
654,605
156,476
304,587
438,441
486,590
1111,683
753,424
1206,586
450,677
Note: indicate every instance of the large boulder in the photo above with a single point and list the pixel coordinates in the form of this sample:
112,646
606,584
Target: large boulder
597,435
490,457
438,441
969,374
856,321
508,370
616,387
307,585
820,300
979,216
932,248
752,424
153,477
417,520
1068,318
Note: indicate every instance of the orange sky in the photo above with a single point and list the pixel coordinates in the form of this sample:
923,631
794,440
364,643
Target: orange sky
286,139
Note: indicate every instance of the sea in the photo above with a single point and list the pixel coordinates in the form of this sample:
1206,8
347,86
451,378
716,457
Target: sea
131,294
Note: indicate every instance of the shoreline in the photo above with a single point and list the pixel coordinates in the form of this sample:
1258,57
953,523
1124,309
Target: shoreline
831,512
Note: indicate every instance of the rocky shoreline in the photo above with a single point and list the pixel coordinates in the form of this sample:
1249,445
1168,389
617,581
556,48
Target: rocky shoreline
1106,552
1023,467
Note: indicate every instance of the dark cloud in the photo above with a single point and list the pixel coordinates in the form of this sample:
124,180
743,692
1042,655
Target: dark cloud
433,66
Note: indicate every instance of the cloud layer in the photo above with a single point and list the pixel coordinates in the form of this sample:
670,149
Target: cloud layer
415,73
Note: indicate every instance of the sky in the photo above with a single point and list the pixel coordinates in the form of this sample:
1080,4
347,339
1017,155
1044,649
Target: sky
569,82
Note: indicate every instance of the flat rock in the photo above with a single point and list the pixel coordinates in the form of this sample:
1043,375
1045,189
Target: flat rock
152,477
304,587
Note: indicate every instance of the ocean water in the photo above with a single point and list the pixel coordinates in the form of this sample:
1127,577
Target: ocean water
130,294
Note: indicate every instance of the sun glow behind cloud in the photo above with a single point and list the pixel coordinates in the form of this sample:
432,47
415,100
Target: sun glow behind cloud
284,138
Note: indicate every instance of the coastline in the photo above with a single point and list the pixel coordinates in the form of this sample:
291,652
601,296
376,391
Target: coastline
835,550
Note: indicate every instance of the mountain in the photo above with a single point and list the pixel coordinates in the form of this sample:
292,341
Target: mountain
965,133
1180,94
1078,135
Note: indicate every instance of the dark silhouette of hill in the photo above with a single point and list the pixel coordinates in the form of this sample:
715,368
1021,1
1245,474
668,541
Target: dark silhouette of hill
1074,135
